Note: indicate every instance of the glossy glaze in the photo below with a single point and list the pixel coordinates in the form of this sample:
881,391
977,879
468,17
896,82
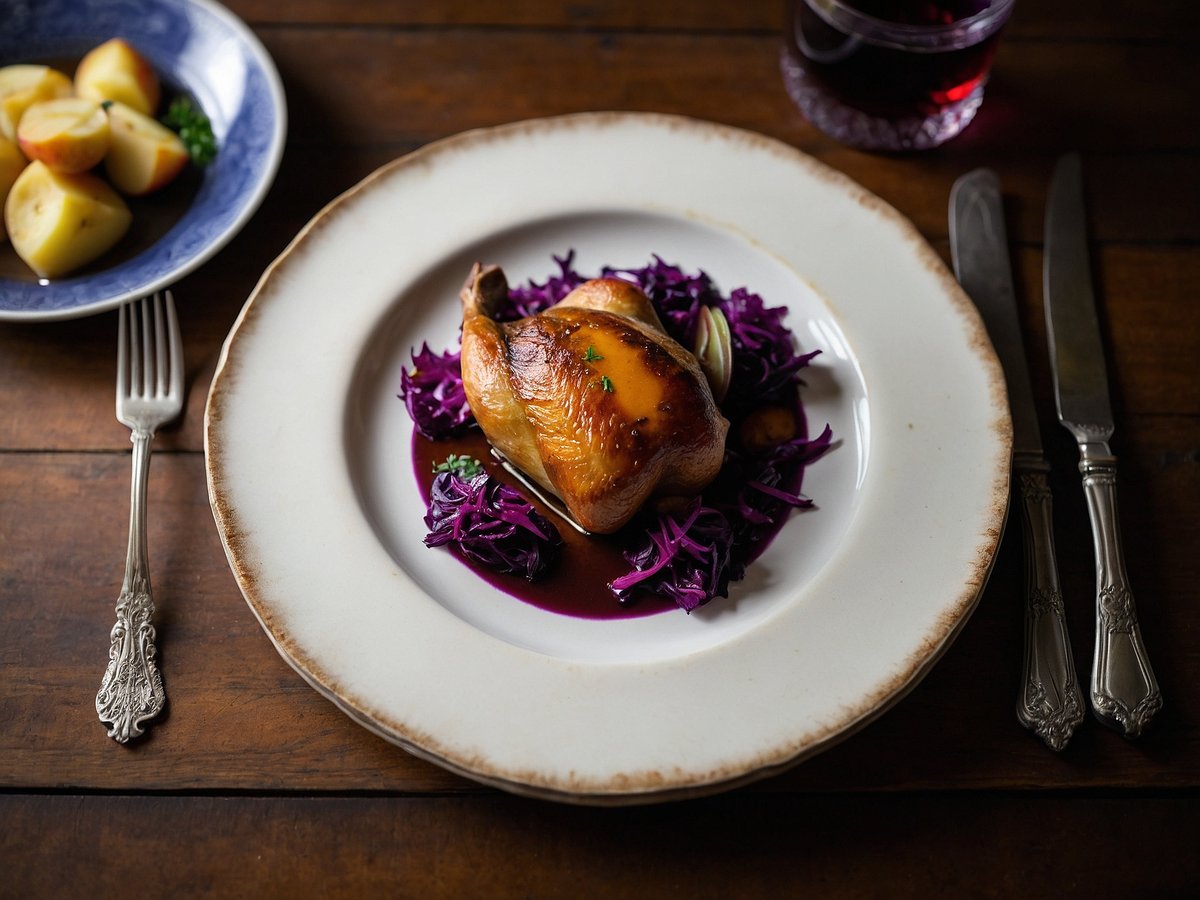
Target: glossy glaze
591,398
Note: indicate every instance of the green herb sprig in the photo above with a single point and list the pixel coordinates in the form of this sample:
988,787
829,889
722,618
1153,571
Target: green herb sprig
193,127
463,466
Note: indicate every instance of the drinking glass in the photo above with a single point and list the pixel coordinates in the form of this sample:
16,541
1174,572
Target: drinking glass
891,75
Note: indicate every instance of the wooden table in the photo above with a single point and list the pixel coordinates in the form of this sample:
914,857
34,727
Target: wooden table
253,785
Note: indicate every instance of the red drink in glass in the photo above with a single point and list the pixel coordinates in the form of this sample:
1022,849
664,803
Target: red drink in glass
891,74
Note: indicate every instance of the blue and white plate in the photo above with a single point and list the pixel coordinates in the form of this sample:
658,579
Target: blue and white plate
198,47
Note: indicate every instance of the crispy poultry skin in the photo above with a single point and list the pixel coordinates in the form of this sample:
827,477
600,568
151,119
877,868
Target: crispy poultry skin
590,398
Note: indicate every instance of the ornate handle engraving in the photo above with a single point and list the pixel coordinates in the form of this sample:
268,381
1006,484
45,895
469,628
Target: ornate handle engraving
1125,694
1050,702
132,691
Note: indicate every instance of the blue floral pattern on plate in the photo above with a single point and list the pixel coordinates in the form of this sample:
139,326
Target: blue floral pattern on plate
202,48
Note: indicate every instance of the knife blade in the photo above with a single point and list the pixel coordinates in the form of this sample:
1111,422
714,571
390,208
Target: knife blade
1049,702
1124,692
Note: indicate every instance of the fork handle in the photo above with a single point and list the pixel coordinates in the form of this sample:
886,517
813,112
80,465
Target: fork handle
1051,702
132,690
1125,693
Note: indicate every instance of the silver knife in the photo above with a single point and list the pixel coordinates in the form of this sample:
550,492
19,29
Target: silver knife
1125,694
1050,702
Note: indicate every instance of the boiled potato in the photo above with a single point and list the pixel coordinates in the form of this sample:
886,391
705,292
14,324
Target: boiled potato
12,161
69,135
58,222
116,71
22,86
143,155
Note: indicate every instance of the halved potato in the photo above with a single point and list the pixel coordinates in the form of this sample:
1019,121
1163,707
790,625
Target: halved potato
58,222
21,86
116,71
70,134
12,161
143,155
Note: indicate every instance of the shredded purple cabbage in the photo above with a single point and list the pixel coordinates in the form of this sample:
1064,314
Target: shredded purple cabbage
753,488
677,296
491,524
685,558
433,393
765,361
530,299
692,556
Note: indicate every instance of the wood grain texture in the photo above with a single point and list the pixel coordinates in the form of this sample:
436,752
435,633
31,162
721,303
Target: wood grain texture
1168,20
425,84
864,846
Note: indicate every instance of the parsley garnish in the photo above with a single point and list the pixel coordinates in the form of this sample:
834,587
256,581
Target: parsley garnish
606,383
591,355
194,129
463,466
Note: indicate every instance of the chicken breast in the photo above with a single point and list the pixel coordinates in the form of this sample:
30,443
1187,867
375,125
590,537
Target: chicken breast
590,398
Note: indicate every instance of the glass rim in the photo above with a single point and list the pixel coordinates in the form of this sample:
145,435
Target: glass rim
842,16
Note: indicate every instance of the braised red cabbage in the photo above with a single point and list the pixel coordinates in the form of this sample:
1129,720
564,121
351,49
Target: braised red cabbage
685,558
530,299
754,490
491,524
433,393
689,557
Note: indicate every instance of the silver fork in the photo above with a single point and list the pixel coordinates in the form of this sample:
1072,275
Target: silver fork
149,394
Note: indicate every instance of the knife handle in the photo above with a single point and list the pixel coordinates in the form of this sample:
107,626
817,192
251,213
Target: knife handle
1125,694
1050,703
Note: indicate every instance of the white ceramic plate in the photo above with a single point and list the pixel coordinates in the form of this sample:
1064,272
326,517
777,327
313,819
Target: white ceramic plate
312,486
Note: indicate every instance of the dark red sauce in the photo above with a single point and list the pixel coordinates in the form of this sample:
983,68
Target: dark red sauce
577,585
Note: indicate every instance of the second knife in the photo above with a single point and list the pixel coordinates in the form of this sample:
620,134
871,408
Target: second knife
1050,701
1125,693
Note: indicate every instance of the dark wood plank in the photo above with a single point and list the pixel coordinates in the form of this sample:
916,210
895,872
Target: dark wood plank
428,83
628,15
241,719
1173,20
1151,333
63,522
741,846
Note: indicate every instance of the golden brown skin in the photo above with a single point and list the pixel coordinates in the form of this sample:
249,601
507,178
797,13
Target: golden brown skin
590,398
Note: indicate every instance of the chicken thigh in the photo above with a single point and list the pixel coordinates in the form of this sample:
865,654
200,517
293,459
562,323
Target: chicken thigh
590,398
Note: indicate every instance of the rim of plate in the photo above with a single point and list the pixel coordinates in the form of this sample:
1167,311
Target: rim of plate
249,202
660,781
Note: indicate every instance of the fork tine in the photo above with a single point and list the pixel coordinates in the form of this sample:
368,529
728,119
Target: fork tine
176,384
160,346
147,305
122,353
134,346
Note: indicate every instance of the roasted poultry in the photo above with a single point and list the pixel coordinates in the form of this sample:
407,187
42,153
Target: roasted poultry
590,398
